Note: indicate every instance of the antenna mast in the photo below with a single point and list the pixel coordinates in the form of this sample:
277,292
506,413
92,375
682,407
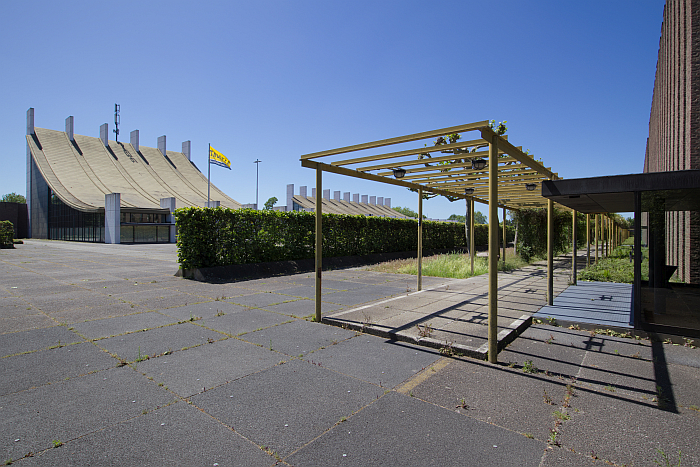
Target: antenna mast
117,121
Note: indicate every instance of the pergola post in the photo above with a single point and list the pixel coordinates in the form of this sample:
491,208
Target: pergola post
573,247
596,239
420,239
472,253
602,236
504,238
588,240
319,240
550,251
493,251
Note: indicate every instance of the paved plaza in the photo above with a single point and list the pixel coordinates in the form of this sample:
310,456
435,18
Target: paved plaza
107,358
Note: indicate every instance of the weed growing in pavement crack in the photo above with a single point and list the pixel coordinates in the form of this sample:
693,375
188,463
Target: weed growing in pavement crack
665,461
426,331
462,404
561,415
141,358
529,367
57,443
547,398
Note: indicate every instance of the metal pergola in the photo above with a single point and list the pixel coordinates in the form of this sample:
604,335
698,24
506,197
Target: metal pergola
464,157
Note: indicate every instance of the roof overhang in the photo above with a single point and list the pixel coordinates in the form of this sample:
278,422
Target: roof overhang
616,193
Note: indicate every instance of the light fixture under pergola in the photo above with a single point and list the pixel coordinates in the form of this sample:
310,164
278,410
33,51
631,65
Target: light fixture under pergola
467,161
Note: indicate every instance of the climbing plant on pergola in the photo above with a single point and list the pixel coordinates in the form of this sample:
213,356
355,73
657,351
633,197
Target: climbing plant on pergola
478,166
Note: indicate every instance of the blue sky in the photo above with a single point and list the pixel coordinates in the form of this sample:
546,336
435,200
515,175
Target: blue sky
273,80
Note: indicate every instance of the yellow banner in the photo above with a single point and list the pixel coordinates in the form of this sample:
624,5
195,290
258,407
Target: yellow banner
215,157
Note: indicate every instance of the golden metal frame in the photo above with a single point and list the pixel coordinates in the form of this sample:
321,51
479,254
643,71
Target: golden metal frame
500,184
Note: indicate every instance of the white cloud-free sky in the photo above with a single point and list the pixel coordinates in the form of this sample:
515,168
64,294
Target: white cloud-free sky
275,79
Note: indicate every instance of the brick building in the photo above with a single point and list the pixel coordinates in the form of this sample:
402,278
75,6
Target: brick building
674,125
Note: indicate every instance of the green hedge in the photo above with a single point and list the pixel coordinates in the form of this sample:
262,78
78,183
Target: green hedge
7,233
532,231
219,237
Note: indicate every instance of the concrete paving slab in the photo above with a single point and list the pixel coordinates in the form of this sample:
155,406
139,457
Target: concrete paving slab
303,308
417,434
68,301
559,457
261,300
552,357
205,310
46,289
24,323
32,369
16,307
300,291
191,371
156,341
122,324
298,338
623,375
287,406
681,355
376,360
69,409
37,339
244,321
685,384
158,438
89,313
627,432
505,397
354,297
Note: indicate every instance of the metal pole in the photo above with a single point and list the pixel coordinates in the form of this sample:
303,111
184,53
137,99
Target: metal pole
550,251
319,240
504,238
588,240
420,239
257,167
573,247
208,174
472,252
493,251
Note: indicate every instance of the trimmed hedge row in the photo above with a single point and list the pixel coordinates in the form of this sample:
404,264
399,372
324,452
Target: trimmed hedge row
220,236
532,232
7,234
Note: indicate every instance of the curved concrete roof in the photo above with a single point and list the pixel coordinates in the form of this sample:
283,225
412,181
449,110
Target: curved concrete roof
334,206
81,172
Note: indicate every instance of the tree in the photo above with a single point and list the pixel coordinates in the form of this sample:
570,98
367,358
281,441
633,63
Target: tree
270,203
407,212
479,218
13,198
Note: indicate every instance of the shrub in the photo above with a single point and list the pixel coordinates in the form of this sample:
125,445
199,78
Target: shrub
7,233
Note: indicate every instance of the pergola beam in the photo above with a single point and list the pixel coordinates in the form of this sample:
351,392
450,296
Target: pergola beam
413,152
400,139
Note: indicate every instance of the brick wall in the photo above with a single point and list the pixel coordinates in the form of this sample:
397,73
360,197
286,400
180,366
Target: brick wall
674,122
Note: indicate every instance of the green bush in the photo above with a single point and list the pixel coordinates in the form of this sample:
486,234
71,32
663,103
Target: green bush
7,233
219,237
532,232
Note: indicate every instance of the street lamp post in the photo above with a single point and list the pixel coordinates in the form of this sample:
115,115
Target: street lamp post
257,168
